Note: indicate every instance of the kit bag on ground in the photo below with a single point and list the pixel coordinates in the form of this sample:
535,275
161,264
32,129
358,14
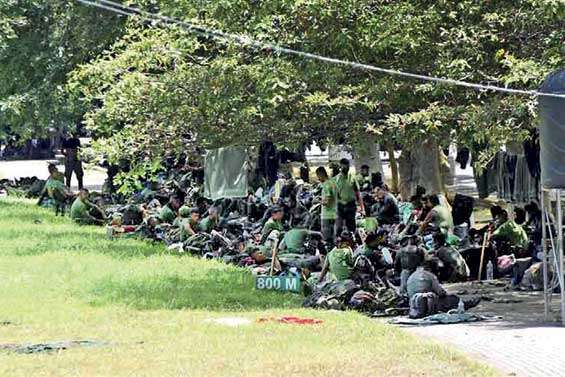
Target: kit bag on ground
423,305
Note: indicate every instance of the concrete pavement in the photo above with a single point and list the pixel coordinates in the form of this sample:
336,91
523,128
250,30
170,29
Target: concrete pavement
93,177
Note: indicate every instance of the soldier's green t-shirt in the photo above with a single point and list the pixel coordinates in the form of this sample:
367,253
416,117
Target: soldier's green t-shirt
55,188
364,182
329,192
184,235
207,224
167,215
512,232
347,187
442,218
340,263
368,224
294,240
79,210
269,226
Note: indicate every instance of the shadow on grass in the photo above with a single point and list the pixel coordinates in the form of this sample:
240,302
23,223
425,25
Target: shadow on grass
225,290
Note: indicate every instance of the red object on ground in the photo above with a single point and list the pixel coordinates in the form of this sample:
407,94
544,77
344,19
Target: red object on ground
291,320
129,228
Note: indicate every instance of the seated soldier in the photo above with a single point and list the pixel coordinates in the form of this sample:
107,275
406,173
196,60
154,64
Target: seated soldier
368,225
264,251
54,187
386,209
428,297
168,213
339,261
294,240
149,228
84,212
182,223
364,179
274,223
189,225
439,219
408,258
510,233
455,267
210,222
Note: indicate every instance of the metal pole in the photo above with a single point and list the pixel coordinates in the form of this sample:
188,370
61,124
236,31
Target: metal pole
545,264
559,221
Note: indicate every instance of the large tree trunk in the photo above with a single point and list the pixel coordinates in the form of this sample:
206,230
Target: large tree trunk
420,165
366,151
393,167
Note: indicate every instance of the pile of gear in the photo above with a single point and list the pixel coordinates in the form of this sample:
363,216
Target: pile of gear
24,187
354,243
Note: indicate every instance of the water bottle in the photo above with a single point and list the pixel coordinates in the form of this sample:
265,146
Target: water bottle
461,307
490,270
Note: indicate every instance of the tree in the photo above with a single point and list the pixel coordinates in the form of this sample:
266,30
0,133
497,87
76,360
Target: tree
40,43
163,91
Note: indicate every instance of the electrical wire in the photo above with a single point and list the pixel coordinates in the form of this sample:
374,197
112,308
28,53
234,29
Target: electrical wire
246,41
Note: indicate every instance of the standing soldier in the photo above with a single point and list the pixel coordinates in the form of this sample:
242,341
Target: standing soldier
73,163
329,207
348,196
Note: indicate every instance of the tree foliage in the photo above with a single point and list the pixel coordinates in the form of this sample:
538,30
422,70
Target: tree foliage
40,43
163,91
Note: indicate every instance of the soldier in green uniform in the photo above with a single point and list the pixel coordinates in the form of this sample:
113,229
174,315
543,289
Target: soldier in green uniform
294,240
339,261
211,221
86,213
364,179
348,196
274,223
54,187
511,232
188,222
168,213
329,207
439,218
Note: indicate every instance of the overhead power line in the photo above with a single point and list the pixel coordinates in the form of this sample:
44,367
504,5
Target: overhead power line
247,41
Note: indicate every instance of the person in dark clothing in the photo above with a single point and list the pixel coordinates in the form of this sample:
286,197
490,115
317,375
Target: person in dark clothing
364,179
305,172
268,162
409,257
424,286
334,169
70,150
377,179
519,215
386,209
454,266
534,223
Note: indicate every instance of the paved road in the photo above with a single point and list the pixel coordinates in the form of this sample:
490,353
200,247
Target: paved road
93,177
521,344
522,351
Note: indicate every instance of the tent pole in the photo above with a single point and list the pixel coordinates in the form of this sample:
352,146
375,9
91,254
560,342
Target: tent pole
545,264
559,241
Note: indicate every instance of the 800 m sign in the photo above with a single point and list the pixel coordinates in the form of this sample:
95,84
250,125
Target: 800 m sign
278,283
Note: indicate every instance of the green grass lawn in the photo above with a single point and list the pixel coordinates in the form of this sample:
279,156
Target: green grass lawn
59,281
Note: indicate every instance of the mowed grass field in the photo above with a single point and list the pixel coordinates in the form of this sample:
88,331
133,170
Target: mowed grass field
60,281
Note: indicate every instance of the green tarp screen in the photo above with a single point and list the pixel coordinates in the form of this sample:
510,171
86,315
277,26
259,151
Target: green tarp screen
225,173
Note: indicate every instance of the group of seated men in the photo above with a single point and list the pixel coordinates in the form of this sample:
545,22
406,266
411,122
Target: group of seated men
354,210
